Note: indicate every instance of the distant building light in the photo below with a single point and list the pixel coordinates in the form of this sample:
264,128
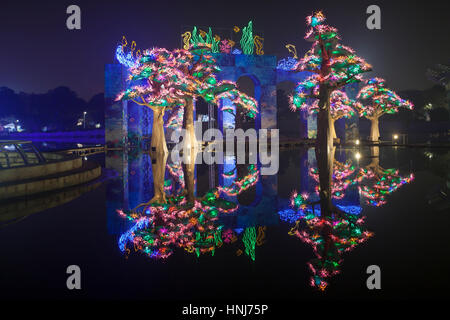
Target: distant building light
98,125
357,156
395,136
357,142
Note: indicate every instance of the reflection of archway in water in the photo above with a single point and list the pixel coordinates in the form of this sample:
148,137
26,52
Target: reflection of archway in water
251,86
247,197
207,178
291,124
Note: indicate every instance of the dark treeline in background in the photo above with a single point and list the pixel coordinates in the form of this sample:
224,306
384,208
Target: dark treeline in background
59,109
431,110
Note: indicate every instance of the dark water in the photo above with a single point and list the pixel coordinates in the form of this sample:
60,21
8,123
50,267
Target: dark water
410,242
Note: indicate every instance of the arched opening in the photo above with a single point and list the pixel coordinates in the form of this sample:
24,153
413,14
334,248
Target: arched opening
250,86
292,125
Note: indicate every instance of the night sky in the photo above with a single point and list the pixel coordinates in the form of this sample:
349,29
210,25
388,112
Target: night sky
39,53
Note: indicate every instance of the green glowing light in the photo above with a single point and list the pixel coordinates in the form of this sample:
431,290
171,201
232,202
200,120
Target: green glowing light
247,43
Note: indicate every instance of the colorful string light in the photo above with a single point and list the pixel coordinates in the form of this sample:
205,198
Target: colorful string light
333,65
377,100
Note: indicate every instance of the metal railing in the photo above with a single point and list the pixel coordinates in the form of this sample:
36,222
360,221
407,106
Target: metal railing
16,153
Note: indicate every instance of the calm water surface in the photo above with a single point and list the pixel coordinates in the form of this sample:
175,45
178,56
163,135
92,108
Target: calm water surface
258,255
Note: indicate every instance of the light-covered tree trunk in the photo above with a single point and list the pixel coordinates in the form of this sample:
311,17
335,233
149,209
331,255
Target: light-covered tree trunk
332,129
189,174
324,151
158,143
374,130
158,154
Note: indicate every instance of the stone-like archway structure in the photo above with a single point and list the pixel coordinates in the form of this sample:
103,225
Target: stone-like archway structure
125,121
262,71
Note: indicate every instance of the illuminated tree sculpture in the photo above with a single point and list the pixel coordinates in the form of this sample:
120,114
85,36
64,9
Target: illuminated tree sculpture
174,79
202,78
156,76
377,100
341,106
333,66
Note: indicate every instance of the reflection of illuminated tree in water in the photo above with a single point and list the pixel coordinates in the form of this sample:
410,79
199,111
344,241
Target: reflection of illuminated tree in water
329,235
384,182
176,171
160,227
376,183
329,229
341,178
240,185
179,221
250,237
377,100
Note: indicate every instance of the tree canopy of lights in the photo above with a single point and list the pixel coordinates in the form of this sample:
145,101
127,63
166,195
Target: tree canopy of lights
167,80
376,100
329,237
160,227
332,64
341,106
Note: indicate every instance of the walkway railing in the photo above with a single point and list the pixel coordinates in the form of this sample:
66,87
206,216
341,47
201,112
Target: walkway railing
84,151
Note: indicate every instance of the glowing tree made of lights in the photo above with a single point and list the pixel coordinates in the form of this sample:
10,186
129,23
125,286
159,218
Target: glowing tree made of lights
341,106
333,66
376,100
175,79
